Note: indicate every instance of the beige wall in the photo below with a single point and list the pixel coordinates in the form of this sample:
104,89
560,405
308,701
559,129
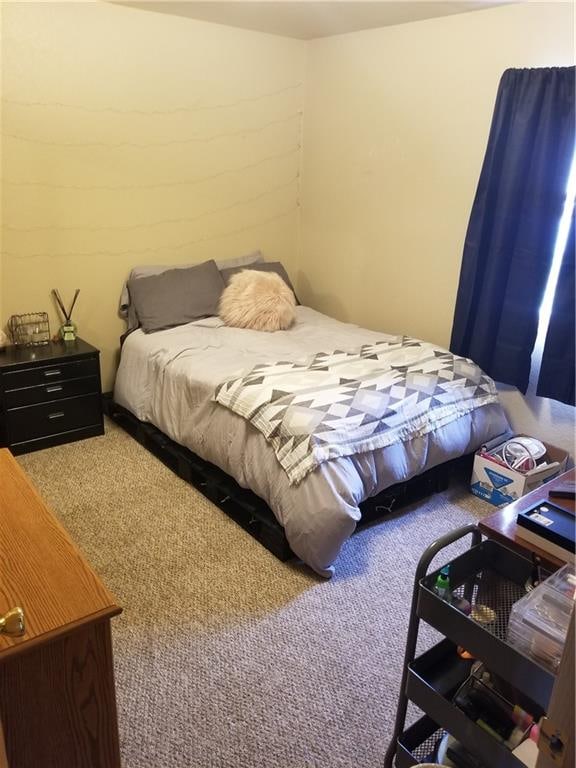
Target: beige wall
395,128
243,95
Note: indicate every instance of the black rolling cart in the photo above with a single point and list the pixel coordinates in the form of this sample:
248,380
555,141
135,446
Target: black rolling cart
490,575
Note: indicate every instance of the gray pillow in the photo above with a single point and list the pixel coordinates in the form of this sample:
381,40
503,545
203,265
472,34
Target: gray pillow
147,270
176,296
264,266
240,261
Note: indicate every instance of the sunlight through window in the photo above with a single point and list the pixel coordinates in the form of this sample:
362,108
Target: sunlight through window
559,249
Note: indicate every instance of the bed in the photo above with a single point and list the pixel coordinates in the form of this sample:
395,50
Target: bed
173,378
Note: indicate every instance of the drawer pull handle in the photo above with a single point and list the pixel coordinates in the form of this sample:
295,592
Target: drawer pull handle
54,372
12,623
57,415
56,388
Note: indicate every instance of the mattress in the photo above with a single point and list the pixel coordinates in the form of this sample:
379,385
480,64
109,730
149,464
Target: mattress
169,379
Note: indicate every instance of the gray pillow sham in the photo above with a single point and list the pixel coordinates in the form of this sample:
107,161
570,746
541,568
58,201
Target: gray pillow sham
147,270
265,266
176,296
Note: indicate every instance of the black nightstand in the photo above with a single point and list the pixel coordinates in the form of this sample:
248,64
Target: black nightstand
49,395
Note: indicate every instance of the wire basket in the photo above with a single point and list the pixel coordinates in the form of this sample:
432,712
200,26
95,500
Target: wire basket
29,330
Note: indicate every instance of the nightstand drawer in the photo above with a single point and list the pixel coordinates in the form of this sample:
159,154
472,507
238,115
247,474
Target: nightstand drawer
36,421
56,390
42,374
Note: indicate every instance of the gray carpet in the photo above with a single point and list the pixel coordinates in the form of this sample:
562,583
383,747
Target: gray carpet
226,657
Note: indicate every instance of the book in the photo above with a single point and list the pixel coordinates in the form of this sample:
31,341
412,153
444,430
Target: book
564,490
549,527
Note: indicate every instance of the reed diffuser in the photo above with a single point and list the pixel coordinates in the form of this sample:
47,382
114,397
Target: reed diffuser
68,328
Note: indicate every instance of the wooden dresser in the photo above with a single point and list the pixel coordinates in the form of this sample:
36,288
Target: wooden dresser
57,697
501,524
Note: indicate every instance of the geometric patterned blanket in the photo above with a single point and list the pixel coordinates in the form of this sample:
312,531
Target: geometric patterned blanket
343,403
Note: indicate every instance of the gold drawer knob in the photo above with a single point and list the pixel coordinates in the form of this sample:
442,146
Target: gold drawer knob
12,623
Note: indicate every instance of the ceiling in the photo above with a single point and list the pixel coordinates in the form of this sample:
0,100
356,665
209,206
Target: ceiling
309,19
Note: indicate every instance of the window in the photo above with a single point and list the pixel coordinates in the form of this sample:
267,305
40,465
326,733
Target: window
560,250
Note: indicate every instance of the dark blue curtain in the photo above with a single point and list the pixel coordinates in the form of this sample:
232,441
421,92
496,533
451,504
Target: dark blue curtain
556,379
514,221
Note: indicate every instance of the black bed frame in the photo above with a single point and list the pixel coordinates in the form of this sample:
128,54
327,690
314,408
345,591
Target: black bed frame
248,509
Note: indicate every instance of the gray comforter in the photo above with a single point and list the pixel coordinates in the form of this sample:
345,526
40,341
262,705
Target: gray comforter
170,378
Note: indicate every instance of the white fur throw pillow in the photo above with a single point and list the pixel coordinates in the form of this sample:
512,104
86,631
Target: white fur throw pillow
258,300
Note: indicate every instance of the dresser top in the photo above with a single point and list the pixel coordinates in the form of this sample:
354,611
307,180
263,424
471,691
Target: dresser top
43,572
45,353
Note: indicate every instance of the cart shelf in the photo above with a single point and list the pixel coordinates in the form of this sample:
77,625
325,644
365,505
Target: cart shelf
433,678
499,577
418,744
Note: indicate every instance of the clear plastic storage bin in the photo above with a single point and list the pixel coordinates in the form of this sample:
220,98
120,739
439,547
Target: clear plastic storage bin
539,621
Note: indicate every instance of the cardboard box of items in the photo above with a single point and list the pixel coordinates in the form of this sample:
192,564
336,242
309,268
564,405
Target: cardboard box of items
494,481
